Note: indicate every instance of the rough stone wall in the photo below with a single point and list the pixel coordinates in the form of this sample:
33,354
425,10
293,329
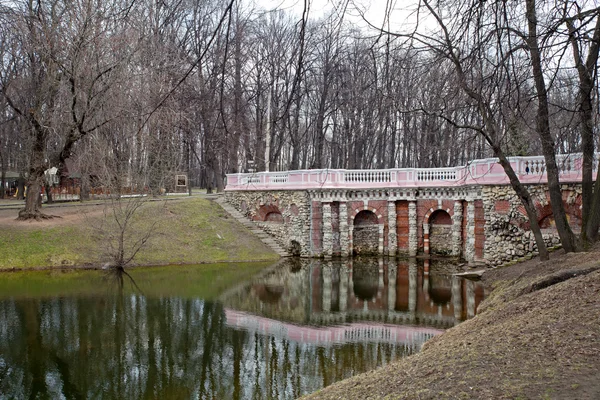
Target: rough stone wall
479,229
506,228
366,239
440,239
294,207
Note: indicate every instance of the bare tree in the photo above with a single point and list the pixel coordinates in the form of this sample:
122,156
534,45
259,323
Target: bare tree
66,61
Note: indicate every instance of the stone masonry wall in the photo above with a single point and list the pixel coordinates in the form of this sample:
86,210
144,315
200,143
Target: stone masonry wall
440,241
294,207
506,226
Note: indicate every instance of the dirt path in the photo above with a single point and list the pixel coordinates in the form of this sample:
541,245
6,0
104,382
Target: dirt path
536,337
68,215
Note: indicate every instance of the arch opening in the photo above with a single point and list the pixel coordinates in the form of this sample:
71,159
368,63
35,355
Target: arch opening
440,233
366,233
275,217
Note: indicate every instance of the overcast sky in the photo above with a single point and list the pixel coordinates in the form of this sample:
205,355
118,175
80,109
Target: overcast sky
374,10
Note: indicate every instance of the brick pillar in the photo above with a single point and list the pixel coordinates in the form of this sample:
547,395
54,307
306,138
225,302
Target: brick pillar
327,231
392,233
344,233
425,238
412,229
457,220
470,245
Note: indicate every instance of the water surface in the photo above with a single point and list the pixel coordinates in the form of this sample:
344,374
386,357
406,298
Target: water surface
220,331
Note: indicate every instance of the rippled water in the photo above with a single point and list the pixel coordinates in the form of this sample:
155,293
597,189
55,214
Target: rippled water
212,332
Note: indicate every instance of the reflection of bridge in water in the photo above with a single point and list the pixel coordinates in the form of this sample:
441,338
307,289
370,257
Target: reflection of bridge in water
412,337
378,291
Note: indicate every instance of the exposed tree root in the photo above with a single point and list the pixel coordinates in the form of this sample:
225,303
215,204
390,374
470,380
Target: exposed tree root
35,216
557,278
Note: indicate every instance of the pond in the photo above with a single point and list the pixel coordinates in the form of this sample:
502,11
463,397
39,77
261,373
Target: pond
219,331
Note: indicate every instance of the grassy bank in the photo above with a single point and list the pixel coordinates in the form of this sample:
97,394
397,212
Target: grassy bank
186,231
537,336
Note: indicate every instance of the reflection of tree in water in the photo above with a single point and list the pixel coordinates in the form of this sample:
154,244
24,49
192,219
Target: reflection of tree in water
131,346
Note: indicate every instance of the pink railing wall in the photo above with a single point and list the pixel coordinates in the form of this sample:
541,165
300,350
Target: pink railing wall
487,171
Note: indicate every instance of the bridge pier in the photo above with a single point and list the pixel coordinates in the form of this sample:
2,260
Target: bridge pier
457,226
344,231
327,231
470,242
413,243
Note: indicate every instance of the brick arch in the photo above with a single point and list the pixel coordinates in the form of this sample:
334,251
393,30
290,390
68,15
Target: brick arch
356,210
367,216
544,213
269,212
439,238
428,214
573,211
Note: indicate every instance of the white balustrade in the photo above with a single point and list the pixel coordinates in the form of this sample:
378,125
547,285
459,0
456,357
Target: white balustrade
279,178
373,176
249,180
486,171
436,174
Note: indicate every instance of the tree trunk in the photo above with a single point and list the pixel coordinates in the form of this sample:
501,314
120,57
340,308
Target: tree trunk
33,201
567,237
48,189
594,215
590,215
21,188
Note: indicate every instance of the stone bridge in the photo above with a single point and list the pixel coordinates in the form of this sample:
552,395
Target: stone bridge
468,211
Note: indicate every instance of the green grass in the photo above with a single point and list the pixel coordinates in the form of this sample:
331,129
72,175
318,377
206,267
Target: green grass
188,231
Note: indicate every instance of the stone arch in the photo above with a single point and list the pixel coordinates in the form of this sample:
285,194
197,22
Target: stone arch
440,232
427,219
295,248
269,213
365,238
358,210
546,217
